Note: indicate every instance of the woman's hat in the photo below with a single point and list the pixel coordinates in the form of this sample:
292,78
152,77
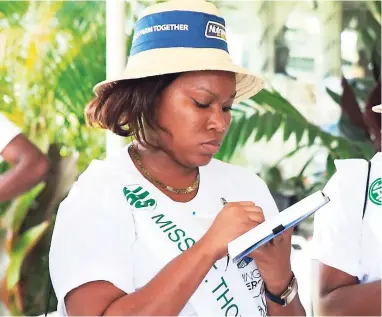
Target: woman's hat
181,36
377,108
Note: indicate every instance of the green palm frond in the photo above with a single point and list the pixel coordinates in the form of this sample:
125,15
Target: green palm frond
267,113
375,9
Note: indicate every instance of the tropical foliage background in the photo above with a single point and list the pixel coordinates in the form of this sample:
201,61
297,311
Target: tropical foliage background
51,55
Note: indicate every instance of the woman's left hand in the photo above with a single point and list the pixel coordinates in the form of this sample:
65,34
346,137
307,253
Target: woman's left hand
273,262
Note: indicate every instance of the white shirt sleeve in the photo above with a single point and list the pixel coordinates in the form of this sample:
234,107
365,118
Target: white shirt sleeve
336,238
8,131
92,239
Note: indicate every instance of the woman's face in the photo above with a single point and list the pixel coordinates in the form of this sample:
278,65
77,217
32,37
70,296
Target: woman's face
195,114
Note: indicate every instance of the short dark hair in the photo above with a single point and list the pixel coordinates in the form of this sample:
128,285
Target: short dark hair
125,107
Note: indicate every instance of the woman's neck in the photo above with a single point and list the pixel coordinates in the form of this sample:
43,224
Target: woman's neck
162,166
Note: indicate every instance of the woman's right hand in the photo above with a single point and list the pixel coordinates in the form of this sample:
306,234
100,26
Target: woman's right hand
234,219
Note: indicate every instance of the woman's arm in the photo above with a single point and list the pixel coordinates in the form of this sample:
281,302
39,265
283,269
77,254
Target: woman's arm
166,294
169,291
30,167
338,293
295,308
273,262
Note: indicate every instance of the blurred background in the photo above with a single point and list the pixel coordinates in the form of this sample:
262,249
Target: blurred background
320,60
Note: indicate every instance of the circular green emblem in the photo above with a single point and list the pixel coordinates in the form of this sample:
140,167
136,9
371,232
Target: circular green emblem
375,192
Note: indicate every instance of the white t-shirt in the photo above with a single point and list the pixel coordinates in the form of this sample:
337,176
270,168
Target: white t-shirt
341,238
8,131
97,237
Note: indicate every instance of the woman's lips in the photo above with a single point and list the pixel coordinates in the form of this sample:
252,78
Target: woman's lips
211,147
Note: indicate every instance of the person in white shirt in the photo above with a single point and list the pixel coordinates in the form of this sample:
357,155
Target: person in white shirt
145,231
347,241
29,165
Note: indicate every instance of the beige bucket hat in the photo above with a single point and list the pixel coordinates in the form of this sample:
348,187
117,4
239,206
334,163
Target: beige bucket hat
180,36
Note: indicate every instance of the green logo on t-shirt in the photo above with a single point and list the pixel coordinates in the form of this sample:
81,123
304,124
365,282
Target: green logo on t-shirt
138,197
375,192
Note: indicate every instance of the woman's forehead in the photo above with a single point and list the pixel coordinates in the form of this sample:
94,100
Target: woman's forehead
209,81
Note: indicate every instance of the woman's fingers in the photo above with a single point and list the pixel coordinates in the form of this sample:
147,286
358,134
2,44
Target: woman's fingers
285,236
255,214
251,211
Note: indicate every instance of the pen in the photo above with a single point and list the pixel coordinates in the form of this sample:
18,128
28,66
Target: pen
224,202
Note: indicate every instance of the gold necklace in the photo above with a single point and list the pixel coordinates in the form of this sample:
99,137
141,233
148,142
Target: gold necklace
187,190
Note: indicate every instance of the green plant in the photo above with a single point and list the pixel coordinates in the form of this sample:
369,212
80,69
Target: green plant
53,54
359,95
359,122
268,112
18,245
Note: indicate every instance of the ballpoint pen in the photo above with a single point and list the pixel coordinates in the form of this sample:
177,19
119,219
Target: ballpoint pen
225,202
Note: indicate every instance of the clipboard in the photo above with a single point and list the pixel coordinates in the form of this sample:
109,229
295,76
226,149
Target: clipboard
273,227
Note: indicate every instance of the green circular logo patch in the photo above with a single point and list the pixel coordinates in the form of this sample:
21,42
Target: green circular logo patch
375,192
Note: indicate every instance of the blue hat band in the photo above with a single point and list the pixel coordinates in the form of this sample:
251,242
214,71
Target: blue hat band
174,29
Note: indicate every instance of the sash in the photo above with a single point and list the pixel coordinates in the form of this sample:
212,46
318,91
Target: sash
167,232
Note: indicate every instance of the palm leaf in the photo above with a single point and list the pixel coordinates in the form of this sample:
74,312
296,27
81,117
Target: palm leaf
330,167
273,125
21,249
336,97
273,112
248,127
262,126
375,9
235,131
288,128
18,210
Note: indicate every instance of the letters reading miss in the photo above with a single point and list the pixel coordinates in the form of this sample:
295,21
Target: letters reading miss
139,198
175,234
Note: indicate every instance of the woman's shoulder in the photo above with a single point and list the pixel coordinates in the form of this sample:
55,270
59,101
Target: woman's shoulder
101,180
103,171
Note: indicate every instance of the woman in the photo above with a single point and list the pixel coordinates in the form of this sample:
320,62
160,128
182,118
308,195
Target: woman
145,232
29,165
347,240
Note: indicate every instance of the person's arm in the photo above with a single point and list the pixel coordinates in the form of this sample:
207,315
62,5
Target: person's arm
273,262
337,293
29,167
295,308
336,249
165,295
169,291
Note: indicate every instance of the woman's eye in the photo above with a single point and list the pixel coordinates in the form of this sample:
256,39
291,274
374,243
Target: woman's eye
227,109
201,105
